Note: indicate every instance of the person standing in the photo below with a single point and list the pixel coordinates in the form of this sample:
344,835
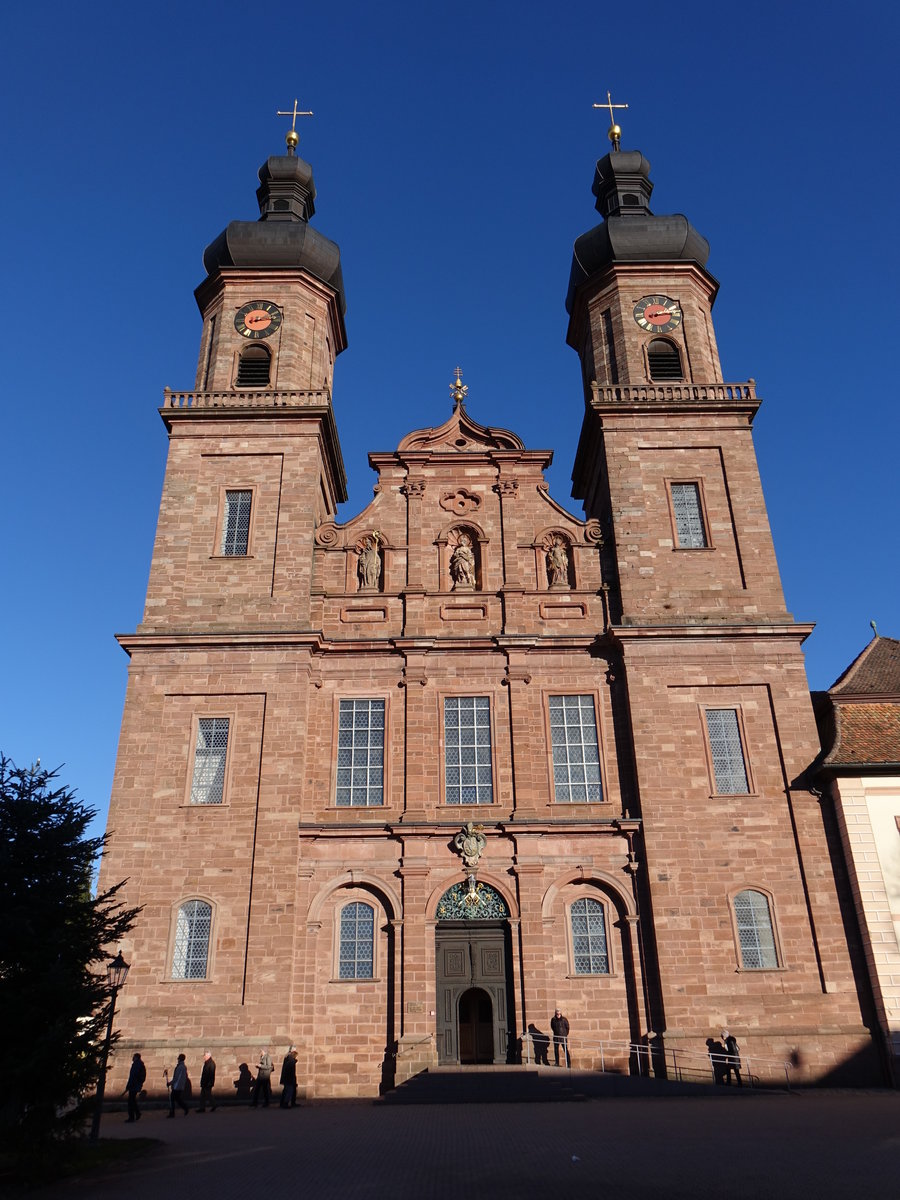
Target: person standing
177,1087
733,1062
133,1087
207,1083
263,1085
289,1080
560,1026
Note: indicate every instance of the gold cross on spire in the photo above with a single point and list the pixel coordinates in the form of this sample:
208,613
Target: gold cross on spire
615,131
292,137
458,390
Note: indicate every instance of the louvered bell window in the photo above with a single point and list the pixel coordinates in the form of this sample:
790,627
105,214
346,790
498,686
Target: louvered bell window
755,932
688,516
253,369
664,361
729,768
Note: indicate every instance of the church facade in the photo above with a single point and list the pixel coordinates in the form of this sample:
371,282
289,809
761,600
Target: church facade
393,790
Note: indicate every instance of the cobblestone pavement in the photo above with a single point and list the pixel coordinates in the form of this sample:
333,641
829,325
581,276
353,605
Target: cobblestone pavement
751,1146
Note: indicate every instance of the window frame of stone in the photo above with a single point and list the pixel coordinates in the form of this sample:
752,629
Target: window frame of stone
702,514
603,900
343,899
769,898
169,974
222,518
368,696
216,714
239,354
468,694
711,706
593,695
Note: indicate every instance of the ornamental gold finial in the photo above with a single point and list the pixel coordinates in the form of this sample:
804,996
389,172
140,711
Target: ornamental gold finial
458,389
615,131
292,137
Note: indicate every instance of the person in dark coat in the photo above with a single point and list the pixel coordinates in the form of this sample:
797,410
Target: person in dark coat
289,1080
207,1083
134,1086
560,1026
733,1062
177,1086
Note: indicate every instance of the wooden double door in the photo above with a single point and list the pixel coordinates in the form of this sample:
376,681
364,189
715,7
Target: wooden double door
475,1016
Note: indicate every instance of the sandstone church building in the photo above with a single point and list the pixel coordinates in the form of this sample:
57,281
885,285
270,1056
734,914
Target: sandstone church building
391,790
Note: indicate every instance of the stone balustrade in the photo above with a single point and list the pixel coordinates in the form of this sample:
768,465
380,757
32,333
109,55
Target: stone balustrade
674,393
320,398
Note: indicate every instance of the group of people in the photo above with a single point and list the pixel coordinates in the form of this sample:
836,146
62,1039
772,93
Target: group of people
179,1085
725,1057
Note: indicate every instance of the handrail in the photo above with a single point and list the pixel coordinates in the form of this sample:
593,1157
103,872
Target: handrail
680,393
314,398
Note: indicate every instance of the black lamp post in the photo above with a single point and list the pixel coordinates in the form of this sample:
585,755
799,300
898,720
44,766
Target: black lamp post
116,972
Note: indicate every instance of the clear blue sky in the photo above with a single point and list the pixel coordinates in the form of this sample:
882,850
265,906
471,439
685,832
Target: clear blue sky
453,147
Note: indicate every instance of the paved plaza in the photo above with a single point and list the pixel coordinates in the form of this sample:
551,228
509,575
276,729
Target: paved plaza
816,1145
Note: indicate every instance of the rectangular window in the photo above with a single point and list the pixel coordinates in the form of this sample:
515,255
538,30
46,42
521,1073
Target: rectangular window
729,767
236,526
208,781
689,528
576,754
360,761
357,944
468,777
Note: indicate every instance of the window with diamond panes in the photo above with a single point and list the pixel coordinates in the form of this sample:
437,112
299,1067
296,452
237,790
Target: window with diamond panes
192,931
589,947
689,527
236,526
357,947
729,768
208,780
468,777
755,932
360,764
576,754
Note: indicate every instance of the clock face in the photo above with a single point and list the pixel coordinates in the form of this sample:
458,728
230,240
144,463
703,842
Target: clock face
657,314
257,319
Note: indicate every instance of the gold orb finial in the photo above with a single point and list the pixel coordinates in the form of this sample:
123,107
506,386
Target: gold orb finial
292,138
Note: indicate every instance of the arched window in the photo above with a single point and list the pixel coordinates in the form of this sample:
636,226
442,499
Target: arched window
253,369
192,931
664,360
589,947
755,933
357,945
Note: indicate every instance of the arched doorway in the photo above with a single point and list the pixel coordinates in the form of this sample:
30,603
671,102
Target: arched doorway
476,1027
473,960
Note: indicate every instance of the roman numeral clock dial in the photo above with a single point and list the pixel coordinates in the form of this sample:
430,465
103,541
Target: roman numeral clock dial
657,314
257,319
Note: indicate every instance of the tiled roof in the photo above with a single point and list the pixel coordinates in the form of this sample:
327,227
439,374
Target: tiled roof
866,734
876,672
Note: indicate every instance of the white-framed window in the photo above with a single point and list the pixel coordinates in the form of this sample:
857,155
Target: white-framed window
210,752
756,934
576,752
356,955
727,752
468,772
192,931
687,509
360,756
236,523
590,951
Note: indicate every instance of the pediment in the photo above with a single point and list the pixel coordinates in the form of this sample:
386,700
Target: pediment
460,435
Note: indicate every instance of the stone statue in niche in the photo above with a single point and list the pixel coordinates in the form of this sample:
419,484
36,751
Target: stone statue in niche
558,564
368,565
462,563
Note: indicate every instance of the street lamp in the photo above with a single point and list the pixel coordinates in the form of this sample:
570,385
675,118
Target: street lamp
116,973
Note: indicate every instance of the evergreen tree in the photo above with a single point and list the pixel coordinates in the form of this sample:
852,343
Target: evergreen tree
55,940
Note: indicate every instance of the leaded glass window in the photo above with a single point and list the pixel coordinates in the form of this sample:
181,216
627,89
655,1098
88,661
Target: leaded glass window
589,946
468,775
357,952
360,765
755,932
192,931
576,754
729,768
236,526
688,511
208,780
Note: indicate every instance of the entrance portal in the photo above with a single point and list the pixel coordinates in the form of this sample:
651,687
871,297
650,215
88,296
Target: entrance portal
476,1027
